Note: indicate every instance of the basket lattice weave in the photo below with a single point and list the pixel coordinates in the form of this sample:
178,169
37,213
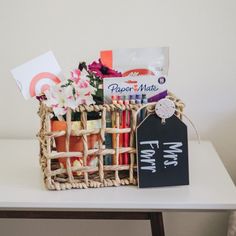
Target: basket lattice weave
57,177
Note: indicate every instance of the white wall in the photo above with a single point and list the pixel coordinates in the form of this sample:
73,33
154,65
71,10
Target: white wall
201,35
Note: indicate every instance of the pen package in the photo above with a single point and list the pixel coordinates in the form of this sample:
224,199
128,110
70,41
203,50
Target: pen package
154,87
144,70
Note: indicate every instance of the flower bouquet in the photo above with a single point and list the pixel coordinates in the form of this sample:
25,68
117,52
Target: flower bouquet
84,87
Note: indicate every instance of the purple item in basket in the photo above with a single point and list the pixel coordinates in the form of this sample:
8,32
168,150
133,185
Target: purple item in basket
158,96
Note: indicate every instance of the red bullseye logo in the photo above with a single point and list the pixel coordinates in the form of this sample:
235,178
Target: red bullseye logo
42,82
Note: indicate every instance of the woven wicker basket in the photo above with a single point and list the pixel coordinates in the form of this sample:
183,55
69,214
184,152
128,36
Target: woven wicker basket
58,177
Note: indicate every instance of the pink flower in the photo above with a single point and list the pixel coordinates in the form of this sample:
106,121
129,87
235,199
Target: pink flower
69,94
83,84
102,71
75,75
84,92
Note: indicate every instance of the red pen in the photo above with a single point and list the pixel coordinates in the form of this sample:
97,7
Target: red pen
126,124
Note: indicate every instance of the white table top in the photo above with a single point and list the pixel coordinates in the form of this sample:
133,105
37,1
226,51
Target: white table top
22,188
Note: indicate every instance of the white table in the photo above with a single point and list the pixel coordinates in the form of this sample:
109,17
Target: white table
22,193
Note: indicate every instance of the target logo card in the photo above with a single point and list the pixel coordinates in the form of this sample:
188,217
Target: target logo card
37,75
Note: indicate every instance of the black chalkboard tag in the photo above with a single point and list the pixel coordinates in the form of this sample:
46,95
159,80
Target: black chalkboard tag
162,152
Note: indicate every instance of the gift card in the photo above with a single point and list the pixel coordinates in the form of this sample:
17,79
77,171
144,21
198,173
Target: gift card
37,75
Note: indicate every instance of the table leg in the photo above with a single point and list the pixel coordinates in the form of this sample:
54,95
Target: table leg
157,225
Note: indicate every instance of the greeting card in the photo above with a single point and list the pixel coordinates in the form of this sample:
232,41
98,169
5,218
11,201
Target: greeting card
36,76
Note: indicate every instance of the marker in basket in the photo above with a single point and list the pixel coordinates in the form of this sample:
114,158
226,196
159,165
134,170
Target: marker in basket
108,140
126,124
143,111
138,100
132,99
113,123
120,101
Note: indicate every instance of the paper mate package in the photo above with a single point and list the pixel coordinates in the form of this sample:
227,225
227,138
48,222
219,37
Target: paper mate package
144,71
154,87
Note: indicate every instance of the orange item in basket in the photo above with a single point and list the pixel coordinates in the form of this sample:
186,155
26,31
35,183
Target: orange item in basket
76,143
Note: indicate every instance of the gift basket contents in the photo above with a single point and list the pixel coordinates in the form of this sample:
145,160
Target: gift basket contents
112,122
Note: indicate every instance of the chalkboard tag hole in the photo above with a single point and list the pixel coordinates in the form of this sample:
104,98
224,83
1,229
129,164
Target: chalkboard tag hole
163,121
